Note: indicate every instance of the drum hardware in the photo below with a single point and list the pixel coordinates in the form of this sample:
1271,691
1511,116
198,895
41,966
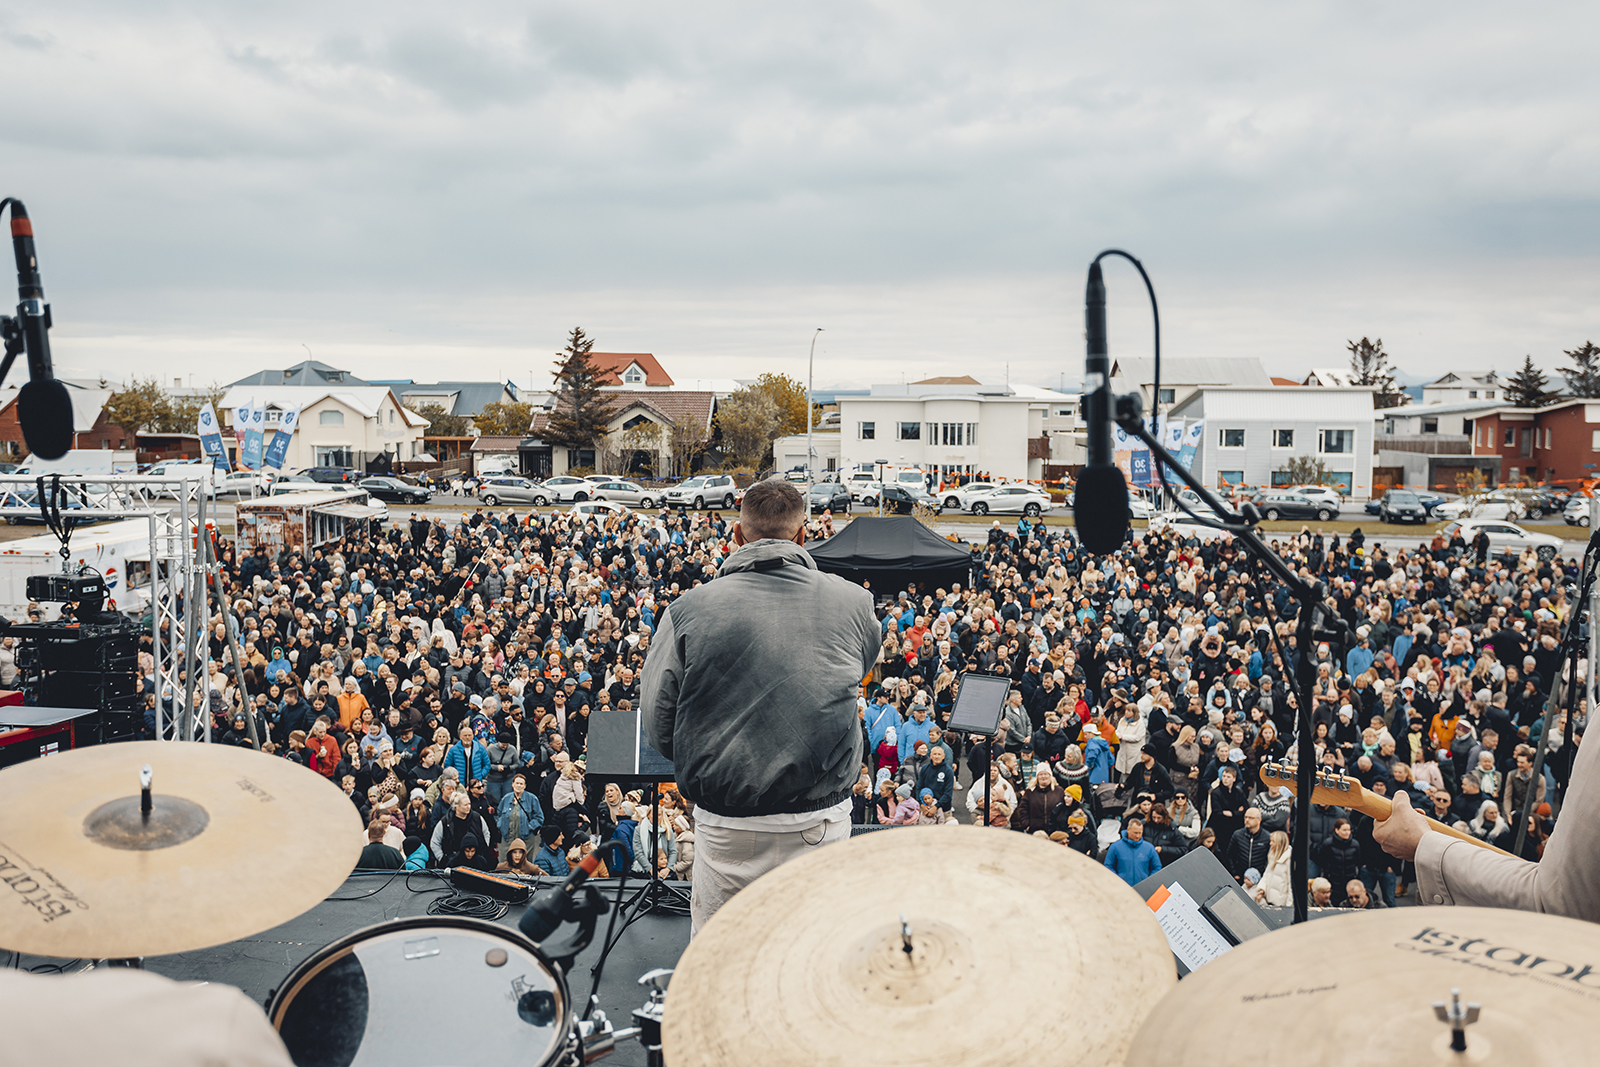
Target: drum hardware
1459,1016
650,1015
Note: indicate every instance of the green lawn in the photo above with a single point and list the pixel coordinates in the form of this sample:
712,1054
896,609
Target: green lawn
1371,525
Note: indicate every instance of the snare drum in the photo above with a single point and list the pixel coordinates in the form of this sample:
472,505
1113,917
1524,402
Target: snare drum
426,990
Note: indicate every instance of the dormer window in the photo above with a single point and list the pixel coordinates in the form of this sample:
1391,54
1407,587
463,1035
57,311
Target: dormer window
633,375
336,376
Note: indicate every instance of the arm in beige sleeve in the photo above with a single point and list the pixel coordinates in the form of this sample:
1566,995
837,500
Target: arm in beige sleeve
1566,881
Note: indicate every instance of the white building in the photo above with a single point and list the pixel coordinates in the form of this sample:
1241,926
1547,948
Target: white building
1180,378
1251,434
948,427
339,426
1463,385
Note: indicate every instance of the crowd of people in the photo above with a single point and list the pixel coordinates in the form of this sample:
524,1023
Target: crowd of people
442,674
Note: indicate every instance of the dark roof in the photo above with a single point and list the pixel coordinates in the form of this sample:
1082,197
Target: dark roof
306,372
489,443
669,404
889,552
612,364
470,396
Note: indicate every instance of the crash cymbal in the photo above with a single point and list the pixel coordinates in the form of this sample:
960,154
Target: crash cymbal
236,843
1018,947
1361,988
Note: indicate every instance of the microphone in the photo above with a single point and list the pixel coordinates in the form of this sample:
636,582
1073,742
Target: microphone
43,406
549,909
1100,504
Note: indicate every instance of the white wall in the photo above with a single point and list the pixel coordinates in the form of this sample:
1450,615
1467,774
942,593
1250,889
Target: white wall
1002,422
1305,411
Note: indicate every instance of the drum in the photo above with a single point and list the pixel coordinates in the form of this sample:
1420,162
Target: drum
426,990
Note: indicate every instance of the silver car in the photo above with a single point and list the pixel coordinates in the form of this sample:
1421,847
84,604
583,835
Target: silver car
1013,499
714,490
510,489
565,489
631,493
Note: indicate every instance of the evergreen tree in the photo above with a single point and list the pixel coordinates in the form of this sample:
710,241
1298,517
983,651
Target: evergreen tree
1369,365
1583,377
582,410
1526,388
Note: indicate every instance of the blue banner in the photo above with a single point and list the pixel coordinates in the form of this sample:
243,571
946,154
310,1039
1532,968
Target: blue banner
1191,444
250,450
211,437
278,449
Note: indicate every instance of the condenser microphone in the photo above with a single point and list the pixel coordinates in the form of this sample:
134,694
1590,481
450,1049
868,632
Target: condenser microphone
43,407
1100,506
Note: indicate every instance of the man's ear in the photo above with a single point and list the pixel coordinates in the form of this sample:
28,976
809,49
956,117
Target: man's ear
800,534
738,534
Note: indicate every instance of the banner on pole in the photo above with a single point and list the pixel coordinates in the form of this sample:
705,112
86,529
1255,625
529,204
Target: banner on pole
278,450
1191,444
255,414
211,437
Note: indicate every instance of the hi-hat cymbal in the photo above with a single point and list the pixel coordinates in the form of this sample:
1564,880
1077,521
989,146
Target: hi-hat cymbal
807,967
236,843
1361,988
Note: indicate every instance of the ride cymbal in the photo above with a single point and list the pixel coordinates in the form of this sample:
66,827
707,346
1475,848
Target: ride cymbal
235,843
809,965
1370,988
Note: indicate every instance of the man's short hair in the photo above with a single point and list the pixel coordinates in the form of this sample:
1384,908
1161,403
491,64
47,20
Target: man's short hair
772,508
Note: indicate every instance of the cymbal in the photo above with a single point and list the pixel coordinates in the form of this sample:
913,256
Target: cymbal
807,966
236,843
1361,988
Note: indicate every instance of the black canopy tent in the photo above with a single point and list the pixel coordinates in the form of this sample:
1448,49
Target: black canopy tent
892,553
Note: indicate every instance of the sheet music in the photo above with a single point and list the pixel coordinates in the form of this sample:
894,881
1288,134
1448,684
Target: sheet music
1192,937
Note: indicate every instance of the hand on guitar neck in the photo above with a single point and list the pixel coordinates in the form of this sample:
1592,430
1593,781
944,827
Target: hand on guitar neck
1399,836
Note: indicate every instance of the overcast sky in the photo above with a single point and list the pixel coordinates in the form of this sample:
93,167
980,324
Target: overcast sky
443,190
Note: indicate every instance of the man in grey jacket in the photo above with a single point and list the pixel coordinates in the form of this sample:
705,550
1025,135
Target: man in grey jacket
750,689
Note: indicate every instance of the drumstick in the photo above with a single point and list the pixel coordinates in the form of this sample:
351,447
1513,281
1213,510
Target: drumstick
1347,792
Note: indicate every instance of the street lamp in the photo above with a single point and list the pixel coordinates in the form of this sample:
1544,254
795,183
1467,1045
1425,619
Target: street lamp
811,371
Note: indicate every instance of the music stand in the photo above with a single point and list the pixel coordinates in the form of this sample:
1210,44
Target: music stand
980,701
617,748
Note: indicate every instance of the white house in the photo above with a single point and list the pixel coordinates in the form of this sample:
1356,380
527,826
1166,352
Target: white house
1181,377
339,426
949,427
1251,433
1463,385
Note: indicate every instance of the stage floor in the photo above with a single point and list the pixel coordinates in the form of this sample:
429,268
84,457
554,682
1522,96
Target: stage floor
258,964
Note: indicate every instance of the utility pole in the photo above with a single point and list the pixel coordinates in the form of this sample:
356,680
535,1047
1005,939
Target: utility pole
811,373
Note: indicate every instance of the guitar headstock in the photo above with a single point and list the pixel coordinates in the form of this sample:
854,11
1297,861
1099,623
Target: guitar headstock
1327,788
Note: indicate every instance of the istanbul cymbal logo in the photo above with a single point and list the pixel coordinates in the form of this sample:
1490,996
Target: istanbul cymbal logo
1498,956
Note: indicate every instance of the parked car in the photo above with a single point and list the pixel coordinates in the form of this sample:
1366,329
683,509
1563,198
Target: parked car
394,491
1402,505
1275,506
1013,499
332,474
565,489
961,498
510,489
829,496
897,499
1537,501
599,510
1318,493
703,489
1496,505
1576,513
631,493
1506,536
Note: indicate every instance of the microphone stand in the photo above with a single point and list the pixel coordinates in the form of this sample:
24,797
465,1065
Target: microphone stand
1316,622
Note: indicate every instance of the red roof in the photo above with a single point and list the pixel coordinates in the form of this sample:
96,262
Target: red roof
1283,381
611,365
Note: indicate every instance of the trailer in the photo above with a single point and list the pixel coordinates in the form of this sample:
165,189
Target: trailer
300,522
119,551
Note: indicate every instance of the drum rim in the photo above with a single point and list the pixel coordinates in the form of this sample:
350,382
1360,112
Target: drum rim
280,998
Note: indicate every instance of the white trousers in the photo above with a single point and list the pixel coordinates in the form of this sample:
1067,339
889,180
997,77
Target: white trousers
726,860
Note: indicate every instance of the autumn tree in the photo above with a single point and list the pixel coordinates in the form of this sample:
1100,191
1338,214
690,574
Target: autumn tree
1369,365
1583,377
1526,388
504,418
687,437
583,410
443,424
183,413
748,420
141,406
1307,470
789,395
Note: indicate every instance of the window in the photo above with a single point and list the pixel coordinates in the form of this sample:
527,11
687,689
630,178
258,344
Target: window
633,375
1472,394
1229,479
1280,479
952,433
105,442
1527,440
972,433
1285,438
1547,433
1065,413
1430,425
1167,396
1230,438
1388,425
1339,480
333,417
910,431
1489,394
1594,441
866,431
391,416
1511,436
1336,442
333,457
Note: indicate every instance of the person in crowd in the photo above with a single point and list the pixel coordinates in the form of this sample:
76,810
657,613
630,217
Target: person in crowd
1132,858
517,861
377,856
552,858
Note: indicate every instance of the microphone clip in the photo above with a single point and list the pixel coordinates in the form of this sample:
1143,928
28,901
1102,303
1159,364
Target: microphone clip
584,907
